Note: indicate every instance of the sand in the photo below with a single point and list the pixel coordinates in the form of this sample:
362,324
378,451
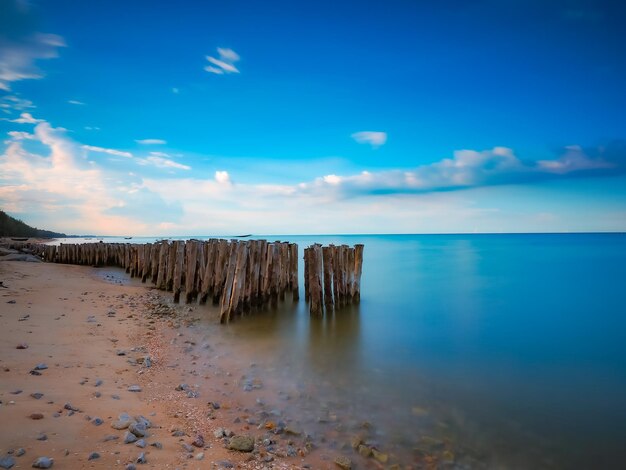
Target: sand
98,335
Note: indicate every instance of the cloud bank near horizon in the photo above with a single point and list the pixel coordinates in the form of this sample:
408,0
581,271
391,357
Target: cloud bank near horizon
92,197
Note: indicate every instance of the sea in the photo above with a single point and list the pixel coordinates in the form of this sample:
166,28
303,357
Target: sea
473,351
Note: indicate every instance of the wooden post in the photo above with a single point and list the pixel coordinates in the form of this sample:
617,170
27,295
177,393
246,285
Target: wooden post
293,262
178,269
228,285
328,276
209,268
358,270
223,253
162,272
192,267
315,282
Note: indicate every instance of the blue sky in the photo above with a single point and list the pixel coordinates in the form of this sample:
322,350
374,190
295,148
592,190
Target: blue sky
183,118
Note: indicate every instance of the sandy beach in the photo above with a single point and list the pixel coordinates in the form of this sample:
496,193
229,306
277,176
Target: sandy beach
84,351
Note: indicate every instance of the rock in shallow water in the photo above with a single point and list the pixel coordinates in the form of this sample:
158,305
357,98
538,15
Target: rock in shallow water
43,462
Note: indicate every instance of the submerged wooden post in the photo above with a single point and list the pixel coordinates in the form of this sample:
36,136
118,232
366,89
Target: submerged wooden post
293,271
358,271
315,280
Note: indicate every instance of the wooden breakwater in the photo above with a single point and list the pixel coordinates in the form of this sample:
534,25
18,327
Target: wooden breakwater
332,276
236,275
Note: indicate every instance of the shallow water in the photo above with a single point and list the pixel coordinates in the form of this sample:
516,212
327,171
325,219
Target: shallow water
510,348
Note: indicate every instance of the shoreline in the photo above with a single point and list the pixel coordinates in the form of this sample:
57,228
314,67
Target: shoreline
94,334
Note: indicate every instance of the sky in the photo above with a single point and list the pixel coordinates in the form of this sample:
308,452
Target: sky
313,117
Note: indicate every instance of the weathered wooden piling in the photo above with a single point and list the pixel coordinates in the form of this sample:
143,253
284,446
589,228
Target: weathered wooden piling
332,276
237,275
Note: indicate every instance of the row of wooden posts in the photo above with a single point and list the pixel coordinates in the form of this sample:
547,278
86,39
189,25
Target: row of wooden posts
236,275
332,276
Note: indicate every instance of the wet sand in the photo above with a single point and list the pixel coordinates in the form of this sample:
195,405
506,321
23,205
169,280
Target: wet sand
98,336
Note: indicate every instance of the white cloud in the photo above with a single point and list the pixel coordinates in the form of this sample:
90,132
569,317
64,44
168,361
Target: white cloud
17,58
92,128
10,103
20,135
151,142
76,102
162,162
224,64
26,118
117,153
222,177
374,138
60,187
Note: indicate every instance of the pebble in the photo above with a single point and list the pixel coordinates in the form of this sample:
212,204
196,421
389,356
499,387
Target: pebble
42,437
121,424
130,466
134,388
69,407
7,461
241,443
219,433
36,395
97,421
380,456
142,458
93,456
141,443
198,441
43,462
22,346
40,366
98,383
199,456
110,437
36,416
129,438
187,447
157,445
138,429
19,452
343,462
97,394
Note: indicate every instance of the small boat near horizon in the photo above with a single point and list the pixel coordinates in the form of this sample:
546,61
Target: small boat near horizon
128,238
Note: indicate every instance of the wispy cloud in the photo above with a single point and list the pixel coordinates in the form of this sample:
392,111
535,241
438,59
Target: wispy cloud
117,153
151,142
224,64
373,138
11,103
76,102
161,160
18,57
25,118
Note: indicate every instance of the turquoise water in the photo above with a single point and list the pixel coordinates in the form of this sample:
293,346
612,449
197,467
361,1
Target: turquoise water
511,348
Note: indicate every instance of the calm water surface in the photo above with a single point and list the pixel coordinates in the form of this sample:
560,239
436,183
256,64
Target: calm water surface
511,348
